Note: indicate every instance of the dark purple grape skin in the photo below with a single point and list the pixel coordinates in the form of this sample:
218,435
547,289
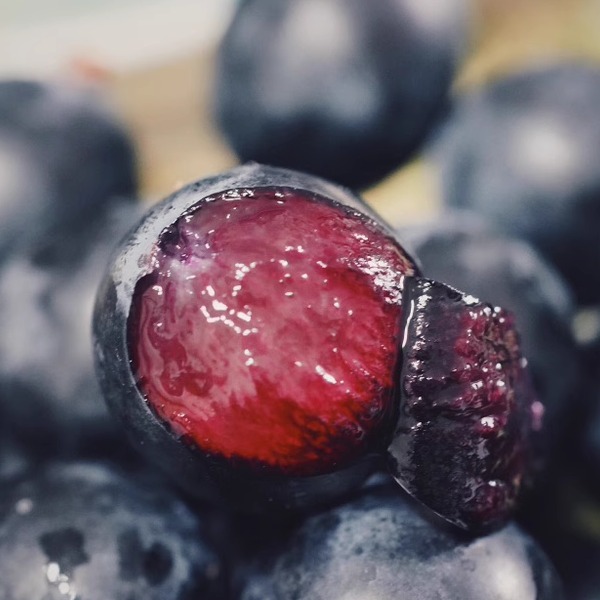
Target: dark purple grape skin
50,398
81,530
379,546
522,151
202,475
460,249
65,155
341,89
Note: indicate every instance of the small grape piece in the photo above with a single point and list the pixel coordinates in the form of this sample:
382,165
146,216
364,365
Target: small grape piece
466,406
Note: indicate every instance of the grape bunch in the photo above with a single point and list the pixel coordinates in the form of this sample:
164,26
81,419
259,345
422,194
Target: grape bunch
256,389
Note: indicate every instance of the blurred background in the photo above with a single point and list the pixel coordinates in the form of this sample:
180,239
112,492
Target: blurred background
155,61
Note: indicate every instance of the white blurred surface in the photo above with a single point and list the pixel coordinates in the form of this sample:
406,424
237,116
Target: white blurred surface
42,39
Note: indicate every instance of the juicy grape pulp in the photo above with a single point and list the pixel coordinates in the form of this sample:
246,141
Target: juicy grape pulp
268,330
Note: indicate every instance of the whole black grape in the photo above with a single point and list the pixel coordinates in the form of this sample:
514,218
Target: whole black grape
82,531
344,89
63,155
67,195
522,152
379,546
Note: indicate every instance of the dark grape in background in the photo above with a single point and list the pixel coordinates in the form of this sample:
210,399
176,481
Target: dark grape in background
463,250
64,155
379,546
345,89
82,530
57,226
68,195
522,151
